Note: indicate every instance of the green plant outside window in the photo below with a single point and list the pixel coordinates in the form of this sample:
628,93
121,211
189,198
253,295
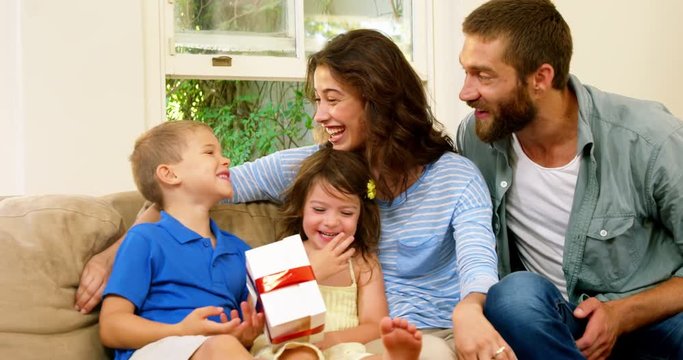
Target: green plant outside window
250,118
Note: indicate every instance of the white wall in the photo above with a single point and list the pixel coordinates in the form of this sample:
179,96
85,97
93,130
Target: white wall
631,47
11,153
73,79
75,94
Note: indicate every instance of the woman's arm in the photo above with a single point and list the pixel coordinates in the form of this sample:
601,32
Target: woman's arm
372,305
266,178
97,270
474,336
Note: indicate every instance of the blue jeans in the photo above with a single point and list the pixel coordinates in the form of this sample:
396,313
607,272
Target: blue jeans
538,323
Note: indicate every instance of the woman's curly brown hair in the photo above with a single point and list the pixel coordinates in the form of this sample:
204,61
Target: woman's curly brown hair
402,131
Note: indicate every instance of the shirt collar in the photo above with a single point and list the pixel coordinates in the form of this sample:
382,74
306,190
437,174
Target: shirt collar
176,229
586,113
183,234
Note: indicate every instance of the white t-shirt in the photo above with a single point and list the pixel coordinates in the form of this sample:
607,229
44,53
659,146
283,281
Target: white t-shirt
538,206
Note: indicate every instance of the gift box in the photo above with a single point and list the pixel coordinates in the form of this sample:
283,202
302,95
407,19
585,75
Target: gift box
282,280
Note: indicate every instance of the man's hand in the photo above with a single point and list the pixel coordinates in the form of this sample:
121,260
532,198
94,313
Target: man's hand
332,258
93,280
602,329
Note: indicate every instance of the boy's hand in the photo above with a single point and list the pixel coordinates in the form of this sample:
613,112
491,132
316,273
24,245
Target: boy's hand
332,258
251,326
197,322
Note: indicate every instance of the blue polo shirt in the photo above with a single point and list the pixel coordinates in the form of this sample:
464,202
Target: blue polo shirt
167,270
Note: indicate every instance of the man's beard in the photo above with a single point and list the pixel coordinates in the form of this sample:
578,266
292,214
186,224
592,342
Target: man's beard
512,115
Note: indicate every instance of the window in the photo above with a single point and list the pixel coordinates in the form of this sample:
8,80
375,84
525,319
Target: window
269,39
232,63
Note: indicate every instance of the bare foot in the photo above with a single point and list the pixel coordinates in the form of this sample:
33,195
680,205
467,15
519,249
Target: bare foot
402,341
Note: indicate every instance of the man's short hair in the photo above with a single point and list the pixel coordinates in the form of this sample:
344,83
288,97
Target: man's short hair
534,31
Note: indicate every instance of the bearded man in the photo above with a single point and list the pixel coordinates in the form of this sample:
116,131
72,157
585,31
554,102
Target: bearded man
587,189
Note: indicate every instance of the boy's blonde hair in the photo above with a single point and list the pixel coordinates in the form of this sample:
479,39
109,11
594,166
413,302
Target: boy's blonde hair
162,144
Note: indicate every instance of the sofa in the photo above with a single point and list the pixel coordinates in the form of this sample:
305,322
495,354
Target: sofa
47,239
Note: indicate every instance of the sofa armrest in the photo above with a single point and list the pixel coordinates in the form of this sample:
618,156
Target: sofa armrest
46,241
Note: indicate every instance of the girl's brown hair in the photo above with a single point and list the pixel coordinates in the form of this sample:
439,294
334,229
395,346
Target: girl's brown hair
343,171
402,131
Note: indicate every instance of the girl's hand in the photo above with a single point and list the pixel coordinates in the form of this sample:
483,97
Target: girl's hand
326,342
197,322
332,258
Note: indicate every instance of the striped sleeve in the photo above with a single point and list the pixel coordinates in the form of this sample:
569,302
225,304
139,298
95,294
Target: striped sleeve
474,239
267,177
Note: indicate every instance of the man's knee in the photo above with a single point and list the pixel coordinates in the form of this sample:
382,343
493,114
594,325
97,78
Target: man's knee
518,293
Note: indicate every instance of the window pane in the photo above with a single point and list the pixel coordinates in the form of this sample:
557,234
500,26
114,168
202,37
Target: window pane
262,27
250,118
326,18
267,27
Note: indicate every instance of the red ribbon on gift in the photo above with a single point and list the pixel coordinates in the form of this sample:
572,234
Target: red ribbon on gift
297,334
284,278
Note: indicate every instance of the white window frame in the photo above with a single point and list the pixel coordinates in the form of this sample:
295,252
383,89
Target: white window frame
244,67
161,59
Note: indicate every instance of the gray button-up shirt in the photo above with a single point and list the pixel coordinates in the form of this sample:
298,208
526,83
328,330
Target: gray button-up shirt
625,232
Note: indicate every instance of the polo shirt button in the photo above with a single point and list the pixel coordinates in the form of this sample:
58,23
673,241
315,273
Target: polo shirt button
603,232
503,184
205,242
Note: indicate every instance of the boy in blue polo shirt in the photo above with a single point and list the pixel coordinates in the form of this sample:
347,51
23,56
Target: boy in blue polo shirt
174,281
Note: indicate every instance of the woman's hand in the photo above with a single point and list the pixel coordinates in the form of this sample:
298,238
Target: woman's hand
93,280
97,270
474,336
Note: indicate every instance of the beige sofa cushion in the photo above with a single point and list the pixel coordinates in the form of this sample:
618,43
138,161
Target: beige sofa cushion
46,240
256,223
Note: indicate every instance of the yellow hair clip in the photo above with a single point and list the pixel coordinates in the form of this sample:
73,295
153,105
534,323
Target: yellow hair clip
371,189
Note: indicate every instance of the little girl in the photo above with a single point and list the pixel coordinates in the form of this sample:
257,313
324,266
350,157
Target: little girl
330,204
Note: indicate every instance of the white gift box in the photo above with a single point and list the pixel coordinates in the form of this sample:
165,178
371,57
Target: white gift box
294,309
